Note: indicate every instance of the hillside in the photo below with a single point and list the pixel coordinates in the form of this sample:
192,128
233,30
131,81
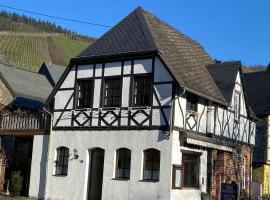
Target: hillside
26,42
29,50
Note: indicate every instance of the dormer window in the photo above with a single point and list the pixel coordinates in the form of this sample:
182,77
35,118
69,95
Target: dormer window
84,94
192,102
236,105
112,96
142,91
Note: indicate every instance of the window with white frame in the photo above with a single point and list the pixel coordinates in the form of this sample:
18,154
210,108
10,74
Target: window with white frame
236,105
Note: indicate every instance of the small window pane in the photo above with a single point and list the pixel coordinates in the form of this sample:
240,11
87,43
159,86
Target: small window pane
142,91
112,92
191,102
84,93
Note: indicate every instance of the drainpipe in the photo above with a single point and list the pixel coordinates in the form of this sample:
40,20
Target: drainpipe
48,152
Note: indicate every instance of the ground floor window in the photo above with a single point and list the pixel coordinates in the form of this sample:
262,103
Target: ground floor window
61,163
151,165
191,163
123,157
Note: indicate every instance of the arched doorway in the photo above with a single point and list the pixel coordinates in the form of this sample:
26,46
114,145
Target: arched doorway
96,158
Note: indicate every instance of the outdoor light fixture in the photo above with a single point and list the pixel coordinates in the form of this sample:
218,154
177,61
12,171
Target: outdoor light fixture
75,153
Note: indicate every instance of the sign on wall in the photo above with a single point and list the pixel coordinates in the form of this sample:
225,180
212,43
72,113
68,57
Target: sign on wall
228,191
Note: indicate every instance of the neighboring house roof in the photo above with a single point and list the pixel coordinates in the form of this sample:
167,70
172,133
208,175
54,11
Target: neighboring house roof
258,91
186,59
26,87
224,75
52,72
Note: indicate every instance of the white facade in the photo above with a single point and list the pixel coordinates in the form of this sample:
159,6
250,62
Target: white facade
137,129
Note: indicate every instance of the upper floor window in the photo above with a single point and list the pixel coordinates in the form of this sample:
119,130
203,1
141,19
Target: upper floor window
192,102
61,167
236,105
151,165
191,164
123,157
142,91
84,93
112,96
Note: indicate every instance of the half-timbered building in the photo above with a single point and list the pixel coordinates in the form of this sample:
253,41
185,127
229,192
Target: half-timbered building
146,113
258,91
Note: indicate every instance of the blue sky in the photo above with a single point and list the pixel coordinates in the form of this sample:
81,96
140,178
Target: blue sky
228,29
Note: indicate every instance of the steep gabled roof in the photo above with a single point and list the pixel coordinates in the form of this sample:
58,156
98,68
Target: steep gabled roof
186,59
224,75
25,84
258,91
52,72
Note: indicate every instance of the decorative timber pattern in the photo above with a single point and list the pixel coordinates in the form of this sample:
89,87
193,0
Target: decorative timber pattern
126,116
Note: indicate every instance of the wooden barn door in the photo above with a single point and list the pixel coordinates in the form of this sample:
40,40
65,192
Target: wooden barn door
96,174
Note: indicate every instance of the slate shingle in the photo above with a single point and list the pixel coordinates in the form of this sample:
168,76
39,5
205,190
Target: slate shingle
25,84
185,58
258,92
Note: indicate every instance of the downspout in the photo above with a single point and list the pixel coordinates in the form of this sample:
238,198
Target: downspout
48,152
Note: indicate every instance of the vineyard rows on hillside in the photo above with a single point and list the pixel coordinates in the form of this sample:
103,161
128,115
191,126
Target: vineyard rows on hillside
29,51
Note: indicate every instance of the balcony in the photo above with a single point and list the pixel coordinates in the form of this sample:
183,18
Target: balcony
23,124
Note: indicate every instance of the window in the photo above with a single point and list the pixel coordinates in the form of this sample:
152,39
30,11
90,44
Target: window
192,101
142,91
236,105
61,167
84,93
191,170
123,157
151,165
177,177
112,92
244,173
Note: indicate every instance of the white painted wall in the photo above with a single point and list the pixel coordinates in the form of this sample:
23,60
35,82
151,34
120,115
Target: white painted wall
38,166
73,186
190,193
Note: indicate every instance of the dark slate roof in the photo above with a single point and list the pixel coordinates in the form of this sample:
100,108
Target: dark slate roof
52,72
258,92
186,59
260,150
224,75
25,84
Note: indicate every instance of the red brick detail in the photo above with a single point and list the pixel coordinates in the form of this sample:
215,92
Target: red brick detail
228,167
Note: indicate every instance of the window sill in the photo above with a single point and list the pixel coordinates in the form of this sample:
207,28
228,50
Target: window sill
149,181
120,179
59,175
190,188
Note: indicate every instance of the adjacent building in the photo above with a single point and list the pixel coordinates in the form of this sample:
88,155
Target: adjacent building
24,129
146,113
258,91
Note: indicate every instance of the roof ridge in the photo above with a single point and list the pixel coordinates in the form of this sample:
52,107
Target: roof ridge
18,68
172,28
